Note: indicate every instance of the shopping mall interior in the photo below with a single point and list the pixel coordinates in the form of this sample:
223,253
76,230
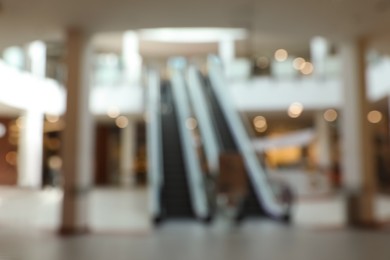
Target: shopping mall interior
194,130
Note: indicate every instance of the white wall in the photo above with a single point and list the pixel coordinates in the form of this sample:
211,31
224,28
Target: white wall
24,91
270,94
378,79
129,100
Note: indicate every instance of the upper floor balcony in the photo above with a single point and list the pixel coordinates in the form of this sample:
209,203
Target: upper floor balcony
255,86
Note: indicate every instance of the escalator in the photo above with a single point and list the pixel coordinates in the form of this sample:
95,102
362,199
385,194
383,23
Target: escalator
226,140
261,198
251,206
175,194
177,182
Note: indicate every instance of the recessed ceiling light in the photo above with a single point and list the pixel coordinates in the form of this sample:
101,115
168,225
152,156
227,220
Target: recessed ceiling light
191,35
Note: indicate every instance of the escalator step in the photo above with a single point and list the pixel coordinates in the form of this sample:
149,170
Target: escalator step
175,196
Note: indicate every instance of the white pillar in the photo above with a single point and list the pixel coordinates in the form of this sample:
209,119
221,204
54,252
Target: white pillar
78,135
227,52
324,159
356,137
30,149
319,51
128,145
37,56
131,58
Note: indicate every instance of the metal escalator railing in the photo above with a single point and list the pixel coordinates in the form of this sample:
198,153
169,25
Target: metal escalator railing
225,137
202,112
192,161
154,144
250,206
256,173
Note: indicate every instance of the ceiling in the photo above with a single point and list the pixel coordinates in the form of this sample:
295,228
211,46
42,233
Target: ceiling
152,49
272,23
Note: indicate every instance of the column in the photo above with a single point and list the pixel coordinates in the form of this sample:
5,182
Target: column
78,135
356,137
227,52
131,58
30,149
37,56
128,145
323,143
319,51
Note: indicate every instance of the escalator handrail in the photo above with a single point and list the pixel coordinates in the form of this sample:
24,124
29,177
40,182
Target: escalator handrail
154,143
195,175
256,172
201,110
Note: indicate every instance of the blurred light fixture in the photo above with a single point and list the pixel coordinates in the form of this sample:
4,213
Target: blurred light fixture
330,115
374,116
295,110
281,55
55,162
113,112
11,158
307,68
52,118
191,123
191,35
122,122
299,63
260,124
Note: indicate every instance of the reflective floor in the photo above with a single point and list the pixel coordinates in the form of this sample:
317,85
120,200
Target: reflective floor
126,210
253,240
110,209
120,226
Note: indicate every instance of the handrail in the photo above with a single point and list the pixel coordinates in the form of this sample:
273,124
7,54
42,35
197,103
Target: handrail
256,173
154,145
200,107
192,161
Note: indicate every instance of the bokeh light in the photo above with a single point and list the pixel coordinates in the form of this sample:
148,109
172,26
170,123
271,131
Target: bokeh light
55,162
374,116
122,122
299,63
113,112
191,123
52,118
295,110
307,68
330,115
260,124
11,158
281,55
